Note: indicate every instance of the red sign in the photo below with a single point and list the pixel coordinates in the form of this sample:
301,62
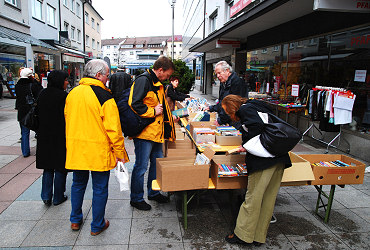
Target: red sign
90,54
227,44
239,6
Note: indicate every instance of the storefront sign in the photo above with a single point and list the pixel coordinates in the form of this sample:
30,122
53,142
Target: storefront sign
360,75
342,5
268,87
222,44
295,90
362,41
239,6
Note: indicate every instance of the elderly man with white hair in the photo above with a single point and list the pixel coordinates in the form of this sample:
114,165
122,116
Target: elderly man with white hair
230,84
94,142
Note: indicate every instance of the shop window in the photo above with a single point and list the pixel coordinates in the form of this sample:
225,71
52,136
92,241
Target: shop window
79,35
73,32
98,27
93,23
37,9
78,9
51,15
213,22
73,5
86,17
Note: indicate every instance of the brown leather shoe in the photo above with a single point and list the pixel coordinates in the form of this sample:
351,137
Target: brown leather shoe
75,226
105,227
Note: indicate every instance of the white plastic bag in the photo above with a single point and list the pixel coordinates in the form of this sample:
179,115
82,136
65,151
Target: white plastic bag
122,176
255,147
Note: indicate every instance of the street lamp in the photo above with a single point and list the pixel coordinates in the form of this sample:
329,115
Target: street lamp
172,2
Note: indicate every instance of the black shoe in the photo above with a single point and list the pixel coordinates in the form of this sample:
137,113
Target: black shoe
159,198
47,202
233,239
65,197
257,244
142,205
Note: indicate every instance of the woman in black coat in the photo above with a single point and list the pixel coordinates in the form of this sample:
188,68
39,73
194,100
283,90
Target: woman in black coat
172,94
264,174
51,140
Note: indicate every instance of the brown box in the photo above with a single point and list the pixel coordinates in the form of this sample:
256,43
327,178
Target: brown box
181,144
178,174
184,152
228,140
336,175
199,125
299,173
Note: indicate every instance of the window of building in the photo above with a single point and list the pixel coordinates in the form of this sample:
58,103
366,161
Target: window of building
139,45
73,32
78,9
114,47
291,45
37,9
276,48
73,5
97,45
86,17
12,2
254,52
131,53
98,27
228,5
78,35
264,51
93,23
66,26
51,15
108,47
65,2
87,40
93,43
213,22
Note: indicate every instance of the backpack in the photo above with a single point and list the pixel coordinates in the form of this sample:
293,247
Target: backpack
131,123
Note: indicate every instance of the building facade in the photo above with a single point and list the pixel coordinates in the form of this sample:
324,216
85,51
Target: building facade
92,31
177,49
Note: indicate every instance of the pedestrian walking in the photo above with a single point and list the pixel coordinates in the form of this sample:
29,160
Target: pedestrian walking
26,91
94,142
147,99
118,82
51,139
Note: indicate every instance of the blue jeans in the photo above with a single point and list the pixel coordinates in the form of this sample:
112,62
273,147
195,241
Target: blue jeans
25,141
144,151
59,182
99,201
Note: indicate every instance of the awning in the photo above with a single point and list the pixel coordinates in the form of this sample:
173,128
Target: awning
22,37
72,51
325,57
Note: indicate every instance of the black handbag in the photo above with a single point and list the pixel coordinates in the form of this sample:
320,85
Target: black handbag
30,120
279,137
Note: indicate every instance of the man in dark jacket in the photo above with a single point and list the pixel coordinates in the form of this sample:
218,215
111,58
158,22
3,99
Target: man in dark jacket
230,84
119,82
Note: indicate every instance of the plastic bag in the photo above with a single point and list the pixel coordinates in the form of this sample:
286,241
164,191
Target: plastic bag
122,176
255,147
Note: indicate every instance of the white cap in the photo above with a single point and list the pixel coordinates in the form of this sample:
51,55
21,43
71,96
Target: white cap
26,72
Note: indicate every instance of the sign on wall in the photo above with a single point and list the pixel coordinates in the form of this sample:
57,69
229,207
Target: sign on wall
342,5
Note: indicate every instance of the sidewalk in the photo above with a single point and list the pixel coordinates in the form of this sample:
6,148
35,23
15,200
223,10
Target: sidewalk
26,223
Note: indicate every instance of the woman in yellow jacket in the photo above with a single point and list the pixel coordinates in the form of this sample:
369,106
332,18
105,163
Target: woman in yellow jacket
94,142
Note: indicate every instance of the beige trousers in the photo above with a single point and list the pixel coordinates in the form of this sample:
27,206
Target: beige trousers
256,211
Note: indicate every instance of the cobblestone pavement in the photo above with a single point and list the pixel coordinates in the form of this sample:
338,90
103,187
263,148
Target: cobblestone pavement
26,223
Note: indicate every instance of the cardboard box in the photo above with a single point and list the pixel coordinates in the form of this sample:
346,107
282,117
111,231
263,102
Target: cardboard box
336,175
184,152
203,135
228,140
299,173
184,144
180,173
199,125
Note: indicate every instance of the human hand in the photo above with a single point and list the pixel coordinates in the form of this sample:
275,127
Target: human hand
241,149
175,118
121,160
206,109
216,123
158,109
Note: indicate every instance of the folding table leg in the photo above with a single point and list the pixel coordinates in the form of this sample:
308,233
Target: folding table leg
327,207
185,209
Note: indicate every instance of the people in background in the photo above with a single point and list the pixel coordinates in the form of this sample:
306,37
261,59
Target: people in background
118,82
51,139
264,174
94,142
172,95
230,84
147,99
26,91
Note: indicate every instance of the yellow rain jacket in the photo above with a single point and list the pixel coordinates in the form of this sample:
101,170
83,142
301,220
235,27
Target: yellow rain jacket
146,93
93,130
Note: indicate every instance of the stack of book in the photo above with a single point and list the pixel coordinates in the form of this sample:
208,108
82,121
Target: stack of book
336,163
227,131
230,170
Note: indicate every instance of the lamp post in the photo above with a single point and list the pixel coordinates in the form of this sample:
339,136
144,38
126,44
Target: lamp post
172,2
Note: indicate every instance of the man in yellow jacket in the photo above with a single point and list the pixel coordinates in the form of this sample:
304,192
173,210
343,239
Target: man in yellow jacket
148,100
94,142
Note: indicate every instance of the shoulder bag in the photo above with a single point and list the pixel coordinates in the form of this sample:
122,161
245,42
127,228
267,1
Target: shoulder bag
30,120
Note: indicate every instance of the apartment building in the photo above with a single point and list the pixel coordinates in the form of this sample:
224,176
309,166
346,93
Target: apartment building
92,27
110,49
177,49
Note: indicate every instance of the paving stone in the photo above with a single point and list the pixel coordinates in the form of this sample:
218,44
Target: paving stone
357,241
63,211
363,212
155,230
158,210
16,186
4,178
4,205
6,159
346,221
286,203
172,246
116,209
106,247
18,165
12,233
24,210
352,198
51,233
319,241
118,233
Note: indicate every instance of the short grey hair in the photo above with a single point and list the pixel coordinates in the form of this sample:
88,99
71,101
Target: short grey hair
224,66
95,66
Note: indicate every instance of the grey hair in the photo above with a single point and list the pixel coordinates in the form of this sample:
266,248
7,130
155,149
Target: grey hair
224,66
95,66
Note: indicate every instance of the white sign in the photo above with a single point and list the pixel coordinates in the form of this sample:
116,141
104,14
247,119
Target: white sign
295,89
268,87
360,75
44,82
342,5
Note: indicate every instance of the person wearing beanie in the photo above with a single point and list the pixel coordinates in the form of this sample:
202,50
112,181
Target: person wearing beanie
25,89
